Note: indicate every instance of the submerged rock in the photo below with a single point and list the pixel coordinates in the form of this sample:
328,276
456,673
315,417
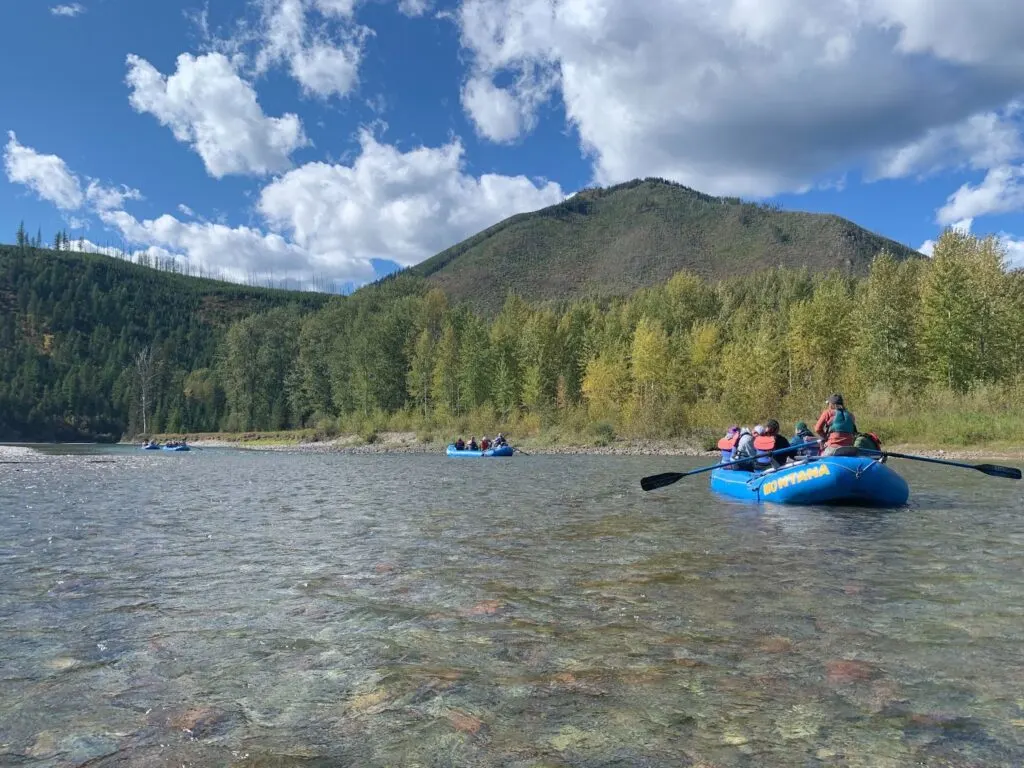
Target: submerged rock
840,671
197,722
775,644
464,722
485,608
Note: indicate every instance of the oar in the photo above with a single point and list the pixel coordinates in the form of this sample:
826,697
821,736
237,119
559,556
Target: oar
520,450
994,470
652,482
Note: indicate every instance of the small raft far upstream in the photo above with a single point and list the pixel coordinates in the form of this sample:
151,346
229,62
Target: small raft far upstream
504,450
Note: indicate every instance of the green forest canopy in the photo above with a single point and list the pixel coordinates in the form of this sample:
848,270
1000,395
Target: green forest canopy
72,326
688,356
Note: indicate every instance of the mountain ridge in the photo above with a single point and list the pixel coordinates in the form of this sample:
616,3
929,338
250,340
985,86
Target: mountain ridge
610,241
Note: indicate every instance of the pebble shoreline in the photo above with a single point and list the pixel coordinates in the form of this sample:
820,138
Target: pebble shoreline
402,443
406,443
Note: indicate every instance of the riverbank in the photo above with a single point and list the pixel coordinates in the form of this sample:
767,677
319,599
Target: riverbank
409,442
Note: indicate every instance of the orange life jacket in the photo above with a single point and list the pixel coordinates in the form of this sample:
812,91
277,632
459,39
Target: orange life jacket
727,445
764,444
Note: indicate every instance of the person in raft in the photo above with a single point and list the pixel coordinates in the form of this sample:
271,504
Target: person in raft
460,444
484,443
472,444
729,443
744,450
804,440
499,441
837,428
770,440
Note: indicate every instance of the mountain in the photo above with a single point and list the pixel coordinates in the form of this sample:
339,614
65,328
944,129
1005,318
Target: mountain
73,324
611,241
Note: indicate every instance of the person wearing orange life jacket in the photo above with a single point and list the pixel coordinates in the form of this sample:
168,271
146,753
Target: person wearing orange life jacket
728,443
484,443
837,427
768,441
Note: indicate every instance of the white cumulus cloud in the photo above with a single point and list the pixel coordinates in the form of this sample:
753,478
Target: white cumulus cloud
323,58
70,9
46,175
753,97
52,180
207,105
324,220
1001,191
402,206
235,252
1014,249
980,142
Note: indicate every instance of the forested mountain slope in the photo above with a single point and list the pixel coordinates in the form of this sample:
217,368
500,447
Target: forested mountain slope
612,241
72,326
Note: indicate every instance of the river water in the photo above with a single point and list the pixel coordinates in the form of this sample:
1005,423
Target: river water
273,609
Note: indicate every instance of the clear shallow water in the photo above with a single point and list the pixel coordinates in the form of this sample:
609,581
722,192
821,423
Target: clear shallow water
265,609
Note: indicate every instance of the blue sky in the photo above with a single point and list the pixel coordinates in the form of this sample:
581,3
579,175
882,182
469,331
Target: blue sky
341,138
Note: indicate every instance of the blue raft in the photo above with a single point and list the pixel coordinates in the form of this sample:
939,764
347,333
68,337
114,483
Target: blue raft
504,450
853,480
176,448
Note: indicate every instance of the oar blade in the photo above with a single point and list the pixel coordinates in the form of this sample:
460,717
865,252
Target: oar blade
651,482
997,471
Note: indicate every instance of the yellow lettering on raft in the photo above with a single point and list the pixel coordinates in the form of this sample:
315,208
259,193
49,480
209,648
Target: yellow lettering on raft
811,473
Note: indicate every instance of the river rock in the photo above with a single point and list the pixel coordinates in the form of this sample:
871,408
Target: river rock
196,722
841,671
464,722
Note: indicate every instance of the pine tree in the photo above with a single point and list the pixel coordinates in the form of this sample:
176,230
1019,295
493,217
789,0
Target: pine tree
21,236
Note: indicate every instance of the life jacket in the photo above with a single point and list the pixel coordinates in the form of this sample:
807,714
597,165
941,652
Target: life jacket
808,445
842,423
484,445
727,445
764,444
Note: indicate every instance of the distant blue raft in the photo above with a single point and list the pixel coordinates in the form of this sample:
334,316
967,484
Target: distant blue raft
504,450
853,480
176,448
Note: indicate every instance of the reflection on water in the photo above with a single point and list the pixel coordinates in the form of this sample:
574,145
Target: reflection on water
247,609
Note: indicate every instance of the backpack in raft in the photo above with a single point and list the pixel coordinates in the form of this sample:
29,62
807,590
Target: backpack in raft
867,441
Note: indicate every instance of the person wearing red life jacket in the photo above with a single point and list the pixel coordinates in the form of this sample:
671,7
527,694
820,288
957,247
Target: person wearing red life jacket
484,443
728,443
